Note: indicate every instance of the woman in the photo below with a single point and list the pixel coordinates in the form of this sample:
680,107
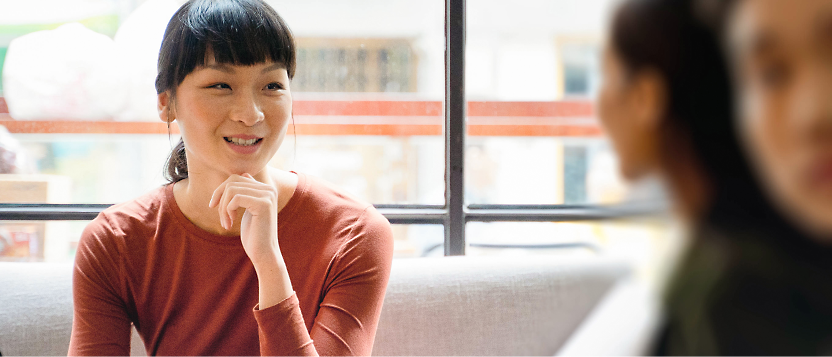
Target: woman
232,257
755,280
666,103
780,55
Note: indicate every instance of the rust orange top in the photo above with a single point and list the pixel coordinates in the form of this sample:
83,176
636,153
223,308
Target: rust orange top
191,292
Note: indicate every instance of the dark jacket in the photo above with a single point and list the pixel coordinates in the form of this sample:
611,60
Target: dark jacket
749,289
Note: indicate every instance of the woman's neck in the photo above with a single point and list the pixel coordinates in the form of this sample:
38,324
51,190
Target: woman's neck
194,193
688,186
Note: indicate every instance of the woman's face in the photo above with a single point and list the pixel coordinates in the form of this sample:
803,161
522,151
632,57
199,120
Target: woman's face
782,62
232,118
622,109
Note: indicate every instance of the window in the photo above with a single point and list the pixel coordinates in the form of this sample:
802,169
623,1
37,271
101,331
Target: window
515,141
579,61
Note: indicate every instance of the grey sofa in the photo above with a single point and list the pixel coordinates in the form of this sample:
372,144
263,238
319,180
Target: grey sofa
434,306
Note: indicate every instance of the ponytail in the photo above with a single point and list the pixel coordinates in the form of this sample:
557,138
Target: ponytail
176,169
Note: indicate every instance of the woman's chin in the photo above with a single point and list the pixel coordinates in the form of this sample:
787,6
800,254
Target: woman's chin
811,215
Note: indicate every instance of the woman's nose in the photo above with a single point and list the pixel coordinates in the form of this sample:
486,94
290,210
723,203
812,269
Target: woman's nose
810,105
247,110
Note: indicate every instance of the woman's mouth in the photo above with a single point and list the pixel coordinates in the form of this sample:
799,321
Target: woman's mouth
242,142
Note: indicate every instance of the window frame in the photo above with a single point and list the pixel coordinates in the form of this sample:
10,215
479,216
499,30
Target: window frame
454,214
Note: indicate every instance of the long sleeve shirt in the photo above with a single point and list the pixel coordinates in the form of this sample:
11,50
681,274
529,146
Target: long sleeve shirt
191,292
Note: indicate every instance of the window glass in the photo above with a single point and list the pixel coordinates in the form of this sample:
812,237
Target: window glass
578,63
418,240
91,168
39,241
367,113
532,72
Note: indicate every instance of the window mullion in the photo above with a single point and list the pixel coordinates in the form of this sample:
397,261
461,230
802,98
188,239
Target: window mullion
455,127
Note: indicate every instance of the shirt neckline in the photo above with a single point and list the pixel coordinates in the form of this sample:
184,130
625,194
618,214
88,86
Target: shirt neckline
286,214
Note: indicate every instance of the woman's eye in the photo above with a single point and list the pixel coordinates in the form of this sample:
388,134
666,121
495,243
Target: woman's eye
274,86
220,86
774,75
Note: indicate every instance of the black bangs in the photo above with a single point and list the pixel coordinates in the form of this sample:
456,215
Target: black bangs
238,32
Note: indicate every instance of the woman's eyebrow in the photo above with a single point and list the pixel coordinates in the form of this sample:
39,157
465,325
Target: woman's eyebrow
273,67
220,67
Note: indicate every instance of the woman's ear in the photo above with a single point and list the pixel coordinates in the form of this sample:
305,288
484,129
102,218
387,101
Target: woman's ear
164,104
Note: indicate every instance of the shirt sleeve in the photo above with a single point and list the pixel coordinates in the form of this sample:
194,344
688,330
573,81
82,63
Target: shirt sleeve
348,316
100,324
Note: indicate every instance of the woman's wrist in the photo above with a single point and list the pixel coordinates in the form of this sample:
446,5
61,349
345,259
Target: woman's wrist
268,262
273,280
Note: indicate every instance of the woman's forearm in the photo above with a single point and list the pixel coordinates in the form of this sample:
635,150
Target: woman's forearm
273,281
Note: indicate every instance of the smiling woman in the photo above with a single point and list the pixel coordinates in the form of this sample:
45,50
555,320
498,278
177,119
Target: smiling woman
186,263
197,42
255,98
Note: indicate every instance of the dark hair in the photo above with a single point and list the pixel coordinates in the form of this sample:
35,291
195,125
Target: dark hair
672,38
238,32
750,204
715,14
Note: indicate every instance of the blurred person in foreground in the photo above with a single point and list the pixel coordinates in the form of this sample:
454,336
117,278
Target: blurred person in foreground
780,56
750,282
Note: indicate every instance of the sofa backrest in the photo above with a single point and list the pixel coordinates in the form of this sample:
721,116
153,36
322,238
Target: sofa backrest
523,305
434,306
35,308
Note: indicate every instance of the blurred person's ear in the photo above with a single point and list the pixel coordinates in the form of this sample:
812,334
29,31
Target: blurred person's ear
647,110
649,93
164,105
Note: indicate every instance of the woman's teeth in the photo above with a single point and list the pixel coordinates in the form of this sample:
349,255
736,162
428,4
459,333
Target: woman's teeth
242,142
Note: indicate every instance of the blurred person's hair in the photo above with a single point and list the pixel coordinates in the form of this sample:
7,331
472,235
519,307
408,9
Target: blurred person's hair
714,14
237,32
754,206
669,37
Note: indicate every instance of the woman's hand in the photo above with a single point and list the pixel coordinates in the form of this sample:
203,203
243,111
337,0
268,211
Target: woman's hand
257,203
